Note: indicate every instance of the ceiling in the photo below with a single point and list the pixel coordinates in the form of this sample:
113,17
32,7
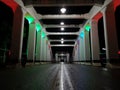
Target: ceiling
70,24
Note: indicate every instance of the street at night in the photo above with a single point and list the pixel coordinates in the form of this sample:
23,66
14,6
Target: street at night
60,76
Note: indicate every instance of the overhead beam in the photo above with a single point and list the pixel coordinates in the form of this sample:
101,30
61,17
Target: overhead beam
64,26
61,2
61,45
72,16
63,33
63,40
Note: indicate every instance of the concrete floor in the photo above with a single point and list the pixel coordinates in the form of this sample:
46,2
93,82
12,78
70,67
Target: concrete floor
60,77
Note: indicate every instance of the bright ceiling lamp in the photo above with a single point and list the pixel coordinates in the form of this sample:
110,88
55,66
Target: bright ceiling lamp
62,39
29,18
62,29
63,10
62,23
38,27
62,42
87,27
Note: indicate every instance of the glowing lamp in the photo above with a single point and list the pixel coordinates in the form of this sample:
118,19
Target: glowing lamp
87,27
38,27
62,29
43,35
29,18
63,10
62,23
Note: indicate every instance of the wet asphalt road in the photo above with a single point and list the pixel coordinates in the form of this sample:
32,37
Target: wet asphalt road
60,77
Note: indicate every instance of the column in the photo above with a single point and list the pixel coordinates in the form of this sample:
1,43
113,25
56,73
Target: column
76,52
42,49
38,46
82,46
48,53
45,49
110,33
94,40
17,35
56,57
31,41
79,49
87,45
67,57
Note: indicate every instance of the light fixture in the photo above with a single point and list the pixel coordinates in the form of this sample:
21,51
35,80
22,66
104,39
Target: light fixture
62,23
62,29
63,10
62,42
62,39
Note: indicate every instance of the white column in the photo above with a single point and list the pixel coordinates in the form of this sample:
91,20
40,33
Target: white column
48,53
111,42
42,49
56,57
82,48
79,49
31,41
45,49
38,46
67,57
87,45
95,50
76,52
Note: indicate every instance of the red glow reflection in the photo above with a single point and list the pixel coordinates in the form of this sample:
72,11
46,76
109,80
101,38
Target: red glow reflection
11,3
116,3
97,16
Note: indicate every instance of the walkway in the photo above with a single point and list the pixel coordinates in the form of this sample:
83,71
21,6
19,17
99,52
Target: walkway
60,77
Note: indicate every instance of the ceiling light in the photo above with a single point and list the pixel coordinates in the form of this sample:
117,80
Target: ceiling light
62,23
63,10
62,39
62,42
62,29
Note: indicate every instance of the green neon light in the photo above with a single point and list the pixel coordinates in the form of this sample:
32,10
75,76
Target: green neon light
29,18
38,27
87,27
43,35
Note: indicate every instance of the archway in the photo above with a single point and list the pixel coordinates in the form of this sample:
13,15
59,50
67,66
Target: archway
25,39
6,24
101,39
117,19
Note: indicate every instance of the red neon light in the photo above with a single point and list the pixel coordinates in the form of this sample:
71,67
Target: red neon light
98,16
11,3
116,3
118,52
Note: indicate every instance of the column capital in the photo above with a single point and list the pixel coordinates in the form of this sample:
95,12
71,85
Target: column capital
23,11
103,10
